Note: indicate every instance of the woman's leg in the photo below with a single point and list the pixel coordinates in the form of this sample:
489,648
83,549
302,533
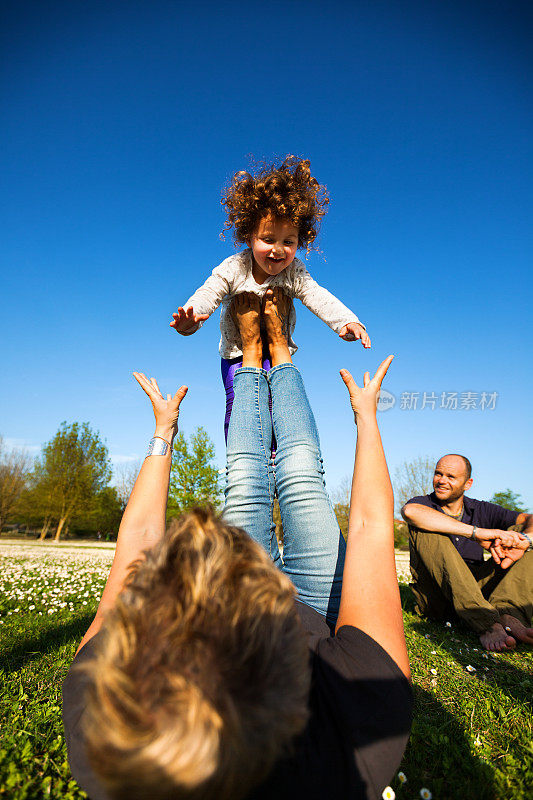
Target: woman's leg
250,487
313,547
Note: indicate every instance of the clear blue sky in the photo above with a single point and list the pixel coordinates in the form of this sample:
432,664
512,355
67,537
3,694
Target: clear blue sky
123,120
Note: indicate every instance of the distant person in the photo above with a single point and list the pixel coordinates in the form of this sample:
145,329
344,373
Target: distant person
448,535
210,670
274,212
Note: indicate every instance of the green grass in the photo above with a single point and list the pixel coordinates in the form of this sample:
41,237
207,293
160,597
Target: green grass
472,732
471,735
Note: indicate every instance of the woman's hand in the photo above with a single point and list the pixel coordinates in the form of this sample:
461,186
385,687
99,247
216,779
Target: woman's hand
166,412
364,400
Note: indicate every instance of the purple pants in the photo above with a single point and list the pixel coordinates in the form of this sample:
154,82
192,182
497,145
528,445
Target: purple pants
228,368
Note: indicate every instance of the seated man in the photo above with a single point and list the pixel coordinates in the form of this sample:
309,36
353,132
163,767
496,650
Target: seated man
210,669
448,533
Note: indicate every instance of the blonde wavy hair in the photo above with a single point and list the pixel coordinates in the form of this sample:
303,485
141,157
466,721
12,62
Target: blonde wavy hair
201,675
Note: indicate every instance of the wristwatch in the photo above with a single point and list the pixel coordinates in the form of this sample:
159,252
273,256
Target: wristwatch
529,540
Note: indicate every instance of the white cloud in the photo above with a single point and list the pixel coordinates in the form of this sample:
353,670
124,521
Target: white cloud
21,444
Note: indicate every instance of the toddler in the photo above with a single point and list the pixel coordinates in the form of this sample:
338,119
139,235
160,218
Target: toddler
274,212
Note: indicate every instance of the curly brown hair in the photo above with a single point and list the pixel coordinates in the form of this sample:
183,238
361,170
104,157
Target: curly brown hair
287,190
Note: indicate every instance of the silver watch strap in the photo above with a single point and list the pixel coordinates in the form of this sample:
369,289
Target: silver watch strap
525,535
473,534
157,447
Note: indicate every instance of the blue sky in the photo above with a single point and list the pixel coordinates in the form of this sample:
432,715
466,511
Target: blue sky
123,120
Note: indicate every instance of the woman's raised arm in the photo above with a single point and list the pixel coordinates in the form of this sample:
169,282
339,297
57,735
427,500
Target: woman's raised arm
144,519
370,598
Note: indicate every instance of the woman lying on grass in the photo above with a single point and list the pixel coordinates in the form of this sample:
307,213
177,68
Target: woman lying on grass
210,669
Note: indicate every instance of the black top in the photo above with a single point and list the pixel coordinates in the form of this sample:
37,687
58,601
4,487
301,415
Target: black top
475,512
360,704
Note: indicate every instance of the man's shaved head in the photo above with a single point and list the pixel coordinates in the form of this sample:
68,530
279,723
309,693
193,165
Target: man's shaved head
464,459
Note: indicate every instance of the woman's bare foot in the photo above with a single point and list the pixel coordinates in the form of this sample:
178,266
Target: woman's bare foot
516,629
276,307
497,639
246,312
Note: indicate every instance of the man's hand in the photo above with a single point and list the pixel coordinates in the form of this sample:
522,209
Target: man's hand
186,322
512,554
353,331
505,547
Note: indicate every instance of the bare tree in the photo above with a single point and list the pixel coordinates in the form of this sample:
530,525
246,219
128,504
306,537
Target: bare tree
343,491
125,475
413,478
15,466
341,503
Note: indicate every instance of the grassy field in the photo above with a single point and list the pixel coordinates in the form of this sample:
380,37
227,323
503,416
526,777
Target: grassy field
472,734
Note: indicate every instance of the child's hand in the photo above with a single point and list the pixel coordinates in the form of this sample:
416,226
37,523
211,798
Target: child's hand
353,331
186,322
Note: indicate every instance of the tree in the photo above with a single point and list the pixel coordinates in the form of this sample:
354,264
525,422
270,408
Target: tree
413,478
194,480
34,505
102,514
342,513
341,504
15,466
508,499
125,477
74,467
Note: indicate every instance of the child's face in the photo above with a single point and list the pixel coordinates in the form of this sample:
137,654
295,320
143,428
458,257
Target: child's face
274,246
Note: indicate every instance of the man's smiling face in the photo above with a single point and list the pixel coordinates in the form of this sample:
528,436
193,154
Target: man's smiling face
274,246
450,480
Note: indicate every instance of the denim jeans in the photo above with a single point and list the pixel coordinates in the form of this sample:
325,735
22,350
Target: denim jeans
313,547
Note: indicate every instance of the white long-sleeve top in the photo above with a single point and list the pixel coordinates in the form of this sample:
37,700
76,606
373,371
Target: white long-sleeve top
234,276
